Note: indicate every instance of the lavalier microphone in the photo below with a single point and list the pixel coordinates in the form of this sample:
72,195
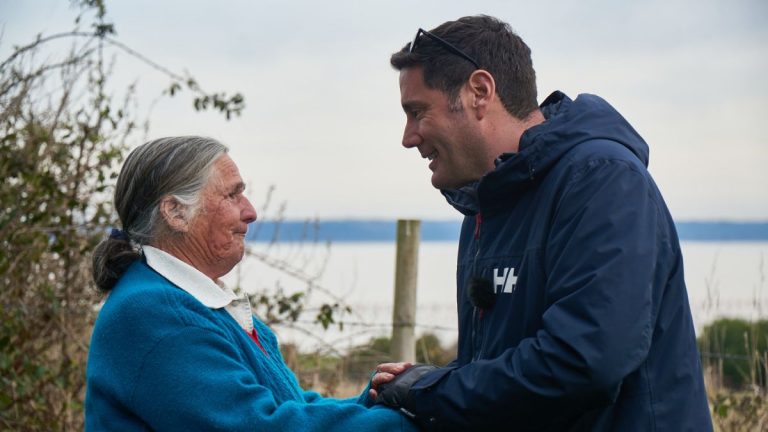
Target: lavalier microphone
480,293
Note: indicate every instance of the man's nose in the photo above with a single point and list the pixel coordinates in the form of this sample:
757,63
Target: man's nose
411,137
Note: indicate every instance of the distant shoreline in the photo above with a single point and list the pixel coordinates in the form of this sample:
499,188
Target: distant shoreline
381,231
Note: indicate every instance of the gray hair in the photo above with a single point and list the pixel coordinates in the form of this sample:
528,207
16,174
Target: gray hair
175,166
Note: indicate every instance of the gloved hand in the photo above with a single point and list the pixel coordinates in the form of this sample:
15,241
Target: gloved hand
394,393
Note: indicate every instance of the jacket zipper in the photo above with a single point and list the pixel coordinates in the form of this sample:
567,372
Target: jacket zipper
477,314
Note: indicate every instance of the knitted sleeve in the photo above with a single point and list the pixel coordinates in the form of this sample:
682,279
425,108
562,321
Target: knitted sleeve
194,379
363,399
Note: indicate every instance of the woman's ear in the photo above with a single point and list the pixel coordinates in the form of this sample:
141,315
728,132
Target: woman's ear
174,214
482,88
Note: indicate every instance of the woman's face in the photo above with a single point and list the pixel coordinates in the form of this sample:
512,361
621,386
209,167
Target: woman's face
216,234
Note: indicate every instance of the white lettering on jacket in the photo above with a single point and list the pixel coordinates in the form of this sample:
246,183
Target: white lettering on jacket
504,280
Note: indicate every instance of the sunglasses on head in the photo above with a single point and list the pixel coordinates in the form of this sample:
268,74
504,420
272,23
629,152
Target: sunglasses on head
443,43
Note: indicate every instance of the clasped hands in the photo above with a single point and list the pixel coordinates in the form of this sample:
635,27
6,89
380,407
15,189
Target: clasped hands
392,381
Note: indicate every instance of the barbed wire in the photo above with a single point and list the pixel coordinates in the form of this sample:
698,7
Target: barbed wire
726,356
730,303
382,325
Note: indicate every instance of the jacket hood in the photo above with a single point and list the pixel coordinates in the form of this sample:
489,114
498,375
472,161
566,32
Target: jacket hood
567,124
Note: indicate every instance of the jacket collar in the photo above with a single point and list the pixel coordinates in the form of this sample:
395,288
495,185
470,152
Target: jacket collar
567,124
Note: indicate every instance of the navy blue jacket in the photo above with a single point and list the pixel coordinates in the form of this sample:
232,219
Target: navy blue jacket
591,328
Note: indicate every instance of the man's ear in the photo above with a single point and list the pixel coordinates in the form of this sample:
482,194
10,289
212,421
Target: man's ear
482,89
174,215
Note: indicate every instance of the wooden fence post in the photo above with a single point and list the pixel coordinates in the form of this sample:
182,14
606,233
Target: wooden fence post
406,272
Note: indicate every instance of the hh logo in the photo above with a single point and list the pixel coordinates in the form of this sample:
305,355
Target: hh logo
504,280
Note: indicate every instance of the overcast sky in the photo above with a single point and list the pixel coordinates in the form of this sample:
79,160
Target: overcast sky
323,121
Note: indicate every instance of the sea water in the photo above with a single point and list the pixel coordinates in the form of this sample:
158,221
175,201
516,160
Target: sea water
723,279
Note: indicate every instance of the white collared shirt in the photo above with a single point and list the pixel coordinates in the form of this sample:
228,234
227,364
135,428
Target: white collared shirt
211,294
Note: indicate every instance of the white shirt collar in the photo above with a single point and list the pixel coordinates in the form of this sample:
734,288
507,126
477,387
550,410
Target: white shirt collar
188,278
201,287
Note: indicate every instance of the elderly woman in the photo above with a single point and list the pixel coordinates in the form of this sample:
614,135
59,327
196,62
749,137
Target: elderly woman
174,349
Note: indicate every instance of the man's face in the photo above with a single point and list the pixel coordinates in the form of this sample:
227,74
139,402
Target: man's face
218,230
444,135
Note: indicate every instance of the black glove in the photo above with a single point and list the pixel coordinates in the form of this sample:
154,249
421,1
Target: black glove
394,393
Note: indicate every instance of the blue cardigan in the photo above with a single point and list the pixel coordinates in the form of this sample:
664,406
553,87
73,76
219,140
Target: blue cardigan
160,360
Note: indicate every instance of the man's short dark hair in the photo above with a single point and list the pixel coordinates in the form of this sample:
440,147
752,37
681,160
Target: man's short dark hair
493,44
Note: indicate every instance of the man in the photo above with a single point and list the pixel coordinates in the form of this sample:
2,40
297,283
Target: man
573,312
